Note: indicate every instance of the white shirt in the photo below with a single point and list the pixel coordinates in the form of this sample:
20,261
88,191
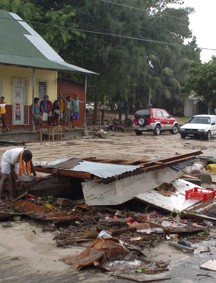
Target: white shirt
12,155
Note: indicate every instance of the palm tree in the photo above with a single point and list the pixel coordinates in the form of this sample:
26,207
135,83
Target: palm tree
165,82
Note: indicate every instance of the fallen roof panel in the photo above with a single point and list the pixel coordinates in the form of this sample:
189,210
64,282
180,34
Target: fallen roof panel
108,172
101,170
176,201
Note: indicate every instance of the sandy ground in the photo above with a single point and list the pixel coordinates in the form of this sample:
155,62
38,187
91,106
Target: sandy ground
120,146
29,255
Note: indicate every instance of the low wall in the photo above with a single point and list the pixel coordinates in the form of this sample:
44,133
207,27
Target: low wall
30,136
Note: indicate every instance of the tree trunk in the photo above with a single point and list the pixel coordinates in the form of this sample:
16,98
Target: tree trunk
95,118
102,116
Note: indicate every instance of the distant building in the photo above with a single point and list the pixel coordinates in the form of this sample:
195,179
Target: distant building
194,105
190,105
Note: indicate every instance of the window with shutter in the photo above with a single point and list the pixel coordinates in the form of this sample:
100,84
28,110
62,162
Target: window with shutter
42,89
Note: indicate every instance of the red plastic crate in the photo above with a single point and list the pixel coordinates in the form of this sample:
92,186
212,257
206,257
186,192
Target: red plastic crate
200,194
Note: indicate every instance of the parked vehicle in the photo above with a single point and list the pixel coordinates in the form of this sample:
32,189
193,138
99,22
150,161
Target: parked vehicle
154,119
199,126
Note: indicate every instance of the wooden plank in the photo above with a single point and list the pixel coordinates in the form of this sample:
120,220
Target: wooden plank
176,159
157,165
76,174
198,216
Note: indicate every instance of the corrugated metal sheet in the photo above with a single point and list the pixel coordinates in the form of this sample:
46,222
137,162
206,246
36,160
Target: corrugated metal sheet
108,171
101,170
104,170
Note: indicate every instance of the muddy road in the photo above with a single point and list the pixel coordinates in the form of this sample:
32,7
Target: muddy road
120,146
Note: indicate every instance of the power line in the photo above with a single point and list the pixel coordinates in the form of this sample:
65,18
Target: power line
121,36
98,32
123,5
161,14
108,34
140,9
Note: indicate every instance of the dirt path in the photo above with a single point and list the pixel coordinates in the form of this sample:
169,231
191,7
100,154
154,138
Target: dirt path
120,146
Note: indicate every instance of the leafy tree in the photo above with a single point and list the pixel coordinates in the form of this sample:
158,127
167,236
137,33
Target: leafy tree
25,9
169,63
124,62
202,81
117,39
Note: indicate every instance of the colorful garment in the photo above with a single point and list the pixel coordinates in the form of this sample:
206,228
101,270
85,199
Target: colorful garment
61,105
36,109
36,117
2,108
67,112
75,106
3,114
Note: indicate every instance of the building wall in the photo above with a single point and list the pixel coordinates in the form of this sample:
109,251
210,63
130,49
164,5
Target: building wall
7,73
7,76
190,107
68,88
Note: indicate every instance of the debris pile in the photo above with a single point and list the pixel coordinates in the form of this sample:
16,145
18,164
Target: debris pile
119,238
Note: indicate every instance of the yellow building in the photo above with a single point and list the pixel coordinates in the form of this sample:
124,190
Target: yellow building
28,68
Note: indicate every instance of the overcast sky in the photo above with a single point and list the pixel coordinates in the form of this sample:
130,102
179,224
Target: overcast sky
203,25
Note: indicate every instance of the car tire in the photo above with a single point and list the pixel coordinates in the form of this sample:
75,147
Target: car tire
183,136
138,133
157,130
175,129
208,137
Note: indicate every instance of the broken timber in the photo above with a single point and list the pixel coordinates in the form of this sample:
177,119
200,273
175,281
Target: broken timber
108,183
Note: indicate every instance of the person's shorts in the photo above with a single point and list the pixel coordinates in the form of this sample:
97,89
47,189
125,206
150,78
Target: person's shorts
6,167
44,117
76,115
36,120
56,113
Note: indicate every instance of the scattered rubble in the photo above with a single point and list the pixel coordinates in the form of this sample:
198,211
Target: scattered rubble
118,236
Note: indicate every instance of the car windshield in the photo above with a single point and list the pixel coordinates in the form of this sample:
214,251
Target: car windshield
200,120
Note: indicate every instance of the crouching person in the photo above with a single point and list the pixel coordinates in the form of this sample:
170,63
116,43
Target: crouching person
15,163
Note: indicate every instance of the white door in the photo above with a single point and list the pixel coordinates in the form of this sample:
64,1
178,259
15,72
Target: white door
19,101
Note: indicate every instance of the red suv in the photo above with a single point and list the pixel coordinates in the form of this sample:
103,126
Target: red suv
154,119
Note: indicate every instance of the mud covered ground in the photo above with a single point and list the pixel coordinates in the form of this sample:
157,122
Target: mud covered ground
119,145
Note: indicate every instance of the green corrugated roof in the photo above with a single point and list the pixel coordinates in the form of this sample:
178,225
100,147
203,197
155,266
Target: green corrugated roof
21,45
